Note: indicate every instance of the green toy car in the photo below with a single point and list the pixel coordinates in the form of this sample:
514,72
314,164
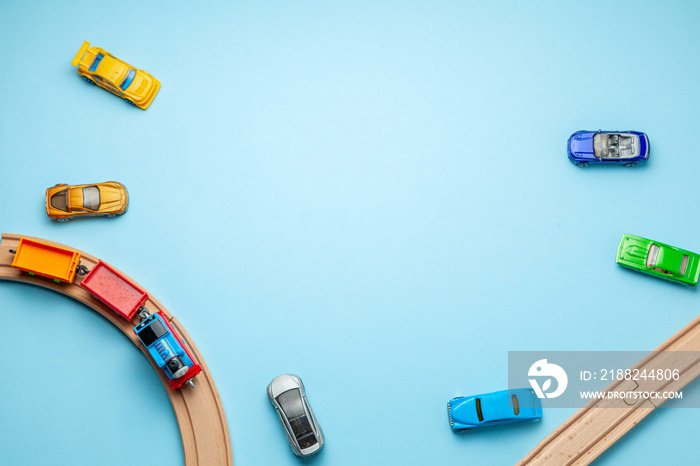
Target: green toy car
659,260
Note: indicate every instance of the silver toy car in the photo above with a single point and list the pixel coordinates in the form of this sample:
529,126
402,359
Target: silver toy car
286,394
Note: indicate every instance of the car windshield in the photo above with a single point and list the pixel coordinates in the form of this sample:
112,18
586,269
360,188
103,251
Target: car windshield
96,62
59,201
129,78
653,254
293,407
91,198
291,403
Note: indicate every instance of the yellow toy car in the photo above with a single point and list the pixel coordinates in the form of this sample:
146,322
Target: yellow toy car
97,66
107,199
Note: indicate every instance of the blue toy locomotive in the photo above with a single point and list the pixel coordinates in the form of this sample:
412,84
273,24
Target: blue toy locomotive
166,349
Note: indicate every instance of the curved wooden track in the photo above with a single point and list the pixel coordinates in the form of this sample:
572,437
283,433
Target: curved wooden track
199,412
600,423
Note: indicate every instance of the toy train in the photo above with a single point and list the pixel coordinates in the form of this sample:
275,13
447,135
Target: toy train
122,296
167,350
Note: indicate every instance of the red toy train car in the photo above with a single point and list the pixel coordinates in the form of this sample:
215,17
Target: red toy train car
115,290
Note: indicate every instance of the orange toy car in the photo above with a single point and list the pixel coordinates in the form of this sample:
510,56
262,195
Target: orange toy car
97,66
107,199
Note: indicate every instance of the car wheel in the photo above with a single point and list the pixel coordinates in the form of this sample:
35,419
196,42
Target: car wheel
581,164
129,102
630,165
110,215
63,220
88,80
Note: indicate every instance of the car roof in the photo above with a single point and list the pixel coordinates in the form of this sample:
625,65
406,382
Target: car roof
670,259
111,68
498,406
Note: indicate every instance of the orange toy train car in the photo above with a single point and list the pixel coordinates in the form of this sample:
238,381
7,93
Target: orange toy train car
47,260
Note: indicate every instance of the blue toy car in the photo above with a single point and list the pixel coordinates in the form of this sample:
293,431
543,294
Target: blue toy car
494,409
627,148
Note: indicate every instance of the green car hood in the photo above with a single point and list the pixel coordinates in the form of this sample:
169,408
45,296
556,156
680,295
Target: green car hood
633,251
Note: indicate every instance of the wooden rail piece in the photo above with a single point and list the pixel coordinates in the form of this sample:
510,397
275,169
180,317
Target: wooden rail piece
600,423
199,411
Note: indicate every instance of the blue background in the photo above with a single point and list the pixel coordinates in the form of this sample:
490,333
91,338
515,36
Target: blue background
372,195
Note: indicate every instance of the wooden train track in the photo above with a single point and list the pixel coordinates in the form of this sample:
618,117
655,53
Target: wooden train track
600,423
199,411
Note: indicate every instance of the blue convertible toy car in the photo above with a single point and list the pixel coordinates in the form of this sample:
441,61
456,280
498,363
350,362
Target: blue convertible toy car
628,148
494,409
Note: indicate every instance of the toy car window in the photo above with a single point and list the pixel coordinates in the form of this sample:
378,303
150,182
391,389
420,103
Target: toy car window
600,145
291,403
516,406
684,264
96,62
129,77
91,197
59,201
153,332
653,254
293,407
303,432
479,414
